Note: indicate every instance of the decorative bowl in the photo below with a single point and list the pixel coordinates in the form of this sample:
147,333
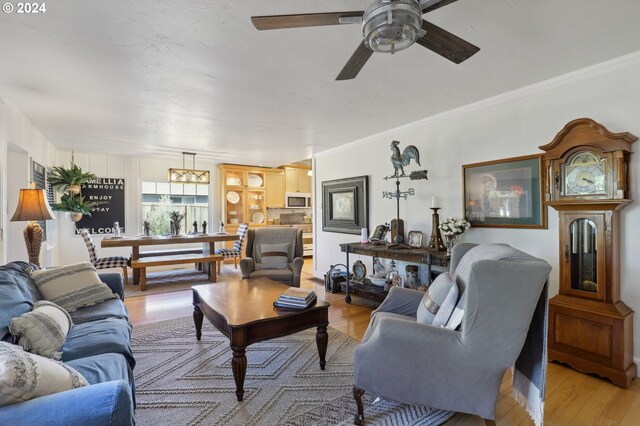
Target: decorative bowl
377,281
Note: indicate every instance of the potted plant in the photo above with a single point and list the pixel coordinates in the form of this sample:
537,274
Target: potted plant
70,179
76,205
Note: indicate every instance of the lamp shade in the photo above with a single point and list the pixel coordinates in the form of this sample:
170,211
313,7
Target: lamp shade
32,205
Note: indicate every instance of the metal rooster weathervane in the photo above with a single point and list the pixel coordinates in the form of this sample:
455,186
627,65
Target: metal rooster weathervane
399,161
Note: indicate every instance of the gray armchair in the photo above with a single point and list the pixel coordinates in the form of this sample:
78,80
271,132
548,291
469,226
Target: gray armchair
456,369
251,266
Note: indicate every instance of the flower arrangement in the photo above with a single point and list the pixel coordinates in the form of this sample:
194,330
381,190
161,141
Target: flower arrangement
452,226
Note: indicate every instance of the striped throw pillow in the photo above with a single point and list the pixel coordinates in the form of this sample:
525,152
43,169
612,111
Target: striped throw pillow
72,286
25,376
438,302
274,256
43,330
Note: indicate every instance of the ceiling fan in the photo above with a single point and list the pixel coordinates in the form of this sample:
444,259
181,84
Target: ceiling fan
388,26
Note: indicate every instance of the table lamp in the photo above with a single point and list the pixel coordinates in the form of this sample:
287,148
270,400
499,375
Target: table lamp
32,206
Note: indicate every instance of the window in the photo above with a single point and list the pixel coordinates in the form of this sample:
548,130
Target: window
159,199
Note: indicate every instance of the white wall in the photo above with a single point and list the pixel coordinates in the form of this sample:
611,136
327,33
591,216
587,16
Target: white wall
26,141
509,125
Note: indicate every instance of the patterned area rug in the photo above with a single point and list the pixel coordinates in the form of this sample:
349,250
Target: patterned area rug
177,279
181,381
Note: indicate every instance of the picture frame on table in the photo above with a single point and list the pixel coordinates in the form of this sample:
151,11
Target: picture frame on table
506,193
414,239
345,205
379,233
398,281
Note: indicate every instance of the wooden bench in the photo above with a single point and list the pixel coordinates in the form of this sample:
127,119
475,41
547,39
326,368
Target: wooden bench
177,259
172,252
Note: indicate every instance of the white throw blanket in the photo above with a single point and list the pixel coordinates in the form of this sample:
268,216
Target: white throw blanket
530,371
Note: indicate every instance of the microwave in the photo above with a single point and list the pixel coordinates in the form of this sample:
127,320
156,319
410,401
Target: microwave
297,200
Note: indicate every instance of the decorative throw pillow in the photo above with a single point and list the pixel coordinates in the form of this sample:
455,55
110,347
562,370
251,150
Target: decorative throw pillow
25,376
43,330
456,317
72,286
438,302
274,256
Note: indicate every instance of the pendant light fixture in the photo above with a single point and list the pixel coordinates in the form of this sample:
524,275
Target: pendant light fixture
192,175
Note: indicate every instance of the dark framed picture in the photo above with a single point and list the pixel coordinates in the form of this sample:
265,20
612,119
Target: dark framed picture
345,205
505,193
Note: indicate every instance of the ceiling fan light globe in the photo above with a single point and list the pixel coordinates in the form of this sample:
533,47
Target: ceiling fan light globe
390,26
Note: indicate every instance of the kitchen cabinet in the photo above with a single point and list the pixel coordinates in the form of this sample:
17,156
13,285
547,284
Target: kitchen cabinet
297,180
243,195
275,189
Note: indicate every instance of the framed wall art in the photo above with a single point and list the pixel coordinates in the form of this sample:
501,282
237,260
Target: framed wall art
345,205
505,193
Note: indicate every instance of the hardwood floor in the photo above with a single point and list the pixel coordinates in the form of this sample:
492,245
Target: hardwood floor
572,398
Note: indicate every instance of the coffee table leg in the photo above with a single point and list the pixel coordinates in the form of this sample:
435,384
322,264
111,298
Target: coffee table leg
322,337
197,320
239,368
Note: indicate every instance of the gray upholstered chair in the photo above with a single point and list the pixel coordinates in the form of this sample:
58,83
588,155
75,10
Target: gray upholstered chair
252,267
458,369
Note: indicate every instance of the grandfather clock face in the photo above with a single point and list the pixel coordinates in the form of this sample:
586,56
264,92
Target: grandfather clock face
584,174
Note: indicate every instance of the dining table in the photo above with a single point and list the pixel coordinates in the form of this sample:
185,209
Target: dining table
207,241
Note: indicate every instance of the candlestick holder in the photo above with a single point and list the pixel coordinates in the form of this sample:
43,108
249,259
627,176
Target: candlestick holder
435,241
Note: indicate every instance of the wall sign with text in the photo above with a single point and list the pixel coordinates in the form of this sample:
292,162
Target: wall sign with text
108,194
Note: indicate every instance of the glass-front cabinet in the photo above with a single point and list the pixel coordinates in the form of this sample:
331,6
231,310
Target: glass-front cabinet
244,196
583,262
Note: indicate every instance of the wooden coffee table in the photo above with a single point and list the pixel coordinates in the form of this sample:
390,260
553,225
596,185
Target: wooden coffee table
243,311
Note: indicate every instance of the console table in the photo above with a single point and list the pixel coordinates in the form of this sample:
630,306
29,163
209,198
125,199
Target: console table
413,255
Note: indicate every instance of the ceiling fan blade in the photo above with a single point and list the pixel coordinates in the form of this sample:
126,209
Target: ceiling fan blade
429,5
305,20
355,63
446,44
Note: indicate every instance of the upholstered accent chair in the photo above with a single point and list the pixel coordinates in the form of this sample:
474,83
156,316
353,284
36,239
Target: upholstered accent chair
236,250
255,264
104,262
458,366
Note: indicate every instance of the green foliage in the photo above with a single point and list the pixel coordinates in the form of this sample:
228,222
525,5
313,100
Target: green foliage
74,204
74,175
158,218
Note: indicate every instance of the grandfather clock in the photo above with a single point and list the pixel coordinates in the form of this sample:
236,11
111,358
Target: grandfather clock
590,328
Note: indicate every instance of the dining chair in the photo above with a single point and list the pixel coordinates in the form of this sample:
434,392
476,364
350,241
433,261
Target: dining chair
104,262
236,251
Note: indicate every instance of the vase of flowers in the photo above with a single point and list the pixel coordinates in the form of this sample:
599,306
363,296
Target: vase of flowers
451,227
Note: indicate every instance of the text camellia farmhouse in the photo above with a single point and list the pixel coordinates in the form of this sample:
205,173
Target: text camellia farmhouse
109,196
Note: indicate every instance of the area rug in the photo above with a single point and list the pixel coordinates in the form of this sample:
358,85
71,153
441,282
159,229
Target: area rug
181,381
177,279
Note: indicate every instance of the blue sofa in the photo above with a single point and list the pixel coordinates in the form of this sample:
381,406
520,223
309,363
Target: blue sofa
98,346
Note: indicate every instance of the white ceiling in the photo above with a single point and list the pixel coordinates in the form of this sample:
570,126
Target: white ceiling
159,76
